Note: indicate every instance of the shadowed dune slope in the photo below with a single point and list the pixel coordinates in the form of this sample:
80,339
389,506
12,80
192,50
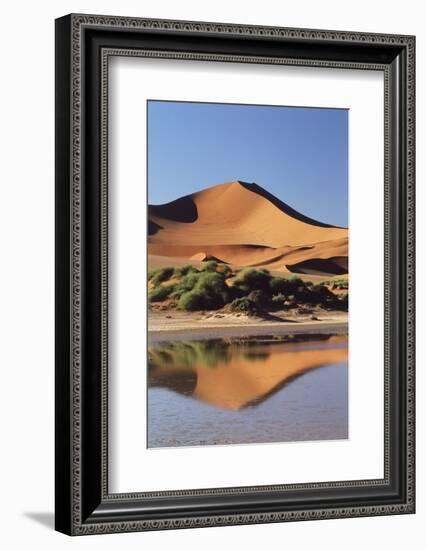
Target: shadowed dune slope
244,225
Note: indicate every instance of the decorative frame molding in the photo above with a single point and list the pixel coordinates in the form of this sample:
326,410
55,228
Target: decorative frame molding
83,504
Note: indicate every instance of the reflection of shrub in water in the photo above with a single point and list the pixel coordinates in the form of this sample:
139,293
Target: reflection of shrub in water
207,353
159,356
212,353
280,338
256,356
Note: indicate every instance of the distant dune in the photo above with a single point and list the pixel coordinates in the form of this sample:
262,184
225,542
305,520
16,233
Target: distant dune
243,225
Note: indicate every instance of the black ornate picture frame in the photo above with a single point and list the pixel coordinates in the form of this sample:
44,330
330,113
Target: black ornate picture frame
84,43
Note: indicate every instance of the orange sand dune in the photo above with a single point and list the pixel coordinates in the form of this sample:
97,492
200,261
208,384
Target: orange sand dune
243,225
236,382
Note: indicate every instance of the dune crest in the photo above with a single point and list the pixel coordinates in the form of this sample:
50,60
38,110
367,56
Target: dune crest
244,225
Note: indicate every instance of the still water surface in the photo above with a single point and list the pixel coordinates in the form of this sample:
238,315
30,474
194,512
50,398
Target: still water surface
251,390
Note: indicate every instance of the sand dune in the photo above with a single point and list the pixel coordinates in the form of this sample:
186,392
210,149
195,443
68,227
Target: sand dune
244,225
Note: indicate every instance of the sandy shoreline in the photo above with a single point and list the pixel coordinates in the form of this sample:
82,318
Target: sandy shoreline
178,327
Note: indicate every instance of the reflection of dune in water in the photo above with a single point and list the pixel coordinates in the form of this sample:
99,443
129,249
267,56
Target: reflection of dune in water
238,375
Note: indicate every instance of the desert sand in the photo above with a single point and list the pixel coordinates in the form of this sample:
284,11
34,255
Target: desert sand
177,325
243,225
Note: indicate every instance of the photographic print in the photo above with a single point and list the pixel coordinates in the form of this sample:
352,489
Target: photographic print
248,280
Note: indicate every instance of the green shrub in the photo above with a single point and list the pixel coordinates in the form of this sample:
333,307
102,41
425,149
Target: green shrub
195,300
210,265
211,282
188,282
184,270
160,293
252,279
191,301
341,284
260,298
244,305
160,275
151,273
202,281
278,285
278,299
177,293
321,290
214,289
339,302
295,278
207,290
225,269
344,298
320,294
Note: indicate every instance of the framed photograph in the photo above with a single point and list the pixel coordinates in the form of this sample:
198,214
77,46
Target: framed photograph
234,274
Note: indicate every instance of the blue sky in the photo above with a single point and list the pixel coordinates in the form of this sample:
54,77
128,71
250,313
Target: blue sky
298,154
